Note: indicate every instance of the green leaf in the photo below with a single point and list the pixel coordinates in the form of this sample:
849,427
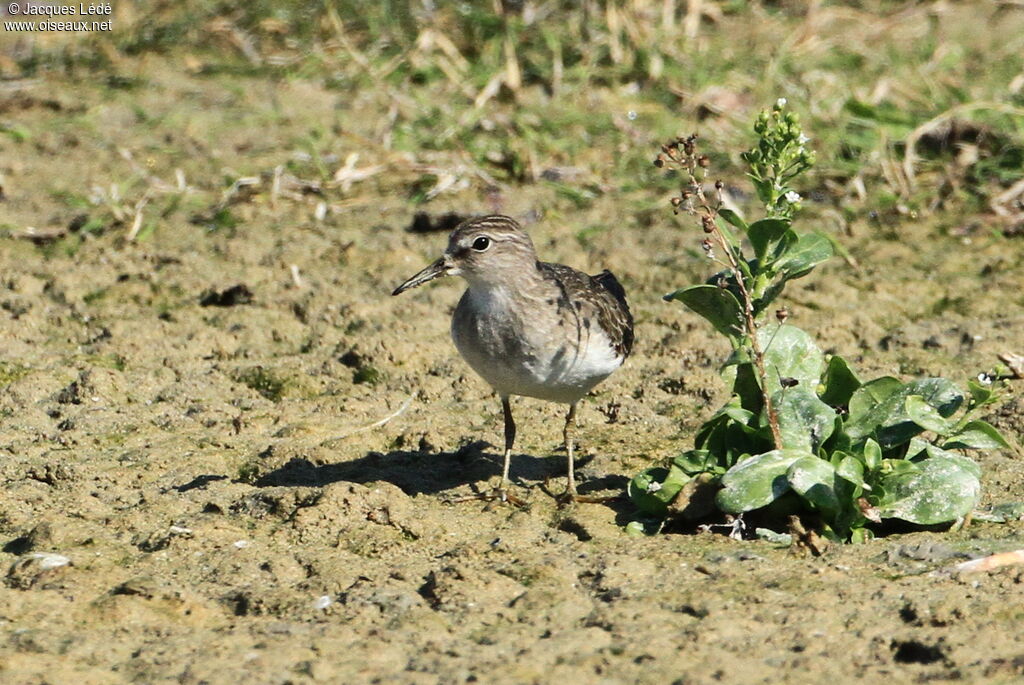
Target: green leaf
653,489
915,447
981,394
926,416
1001,513
872,455
695,461
746,387
733,218
790,353
977,435
763,188
943,489
804,421
870,394
765,235
966,462
839,441
768,295
730,439
809,250
851,468
814,479
769,535
737,413
635,529
898,467
757,481
840,382
717,305
888,421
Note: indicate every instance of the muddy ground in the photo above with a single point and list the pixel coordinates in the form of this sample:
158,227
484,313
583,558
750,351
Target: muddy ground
208,464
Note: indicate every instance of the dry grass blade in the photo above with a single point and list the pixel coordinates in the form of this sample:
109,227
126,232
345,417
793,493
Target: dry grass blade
377,424
40,236
513,74
133,232
489,90
238,38
1003,203
348,174
691,23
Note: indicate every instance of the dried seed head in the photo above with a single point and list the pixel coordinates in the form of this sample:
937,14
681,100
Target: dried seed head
707,223
707,246
676,201
690,144
659,161
719,185
781,315
703,162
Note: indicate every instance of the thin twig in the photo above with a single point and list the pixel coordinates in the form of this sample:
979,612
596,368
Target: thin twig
991,562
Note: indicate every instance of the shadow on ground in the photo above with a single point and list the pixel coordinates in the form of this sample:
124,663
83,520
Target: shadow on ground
431,473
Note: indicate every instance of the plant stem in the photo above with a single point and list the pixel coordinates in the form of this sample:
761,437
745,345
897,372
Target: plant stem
755,345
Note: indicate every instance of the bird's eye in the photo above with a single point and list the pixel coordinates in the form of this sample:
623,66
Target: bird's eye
481,243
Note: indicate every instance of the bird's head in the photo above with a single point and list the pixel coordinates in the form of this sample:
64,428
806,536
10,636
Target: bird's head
486,250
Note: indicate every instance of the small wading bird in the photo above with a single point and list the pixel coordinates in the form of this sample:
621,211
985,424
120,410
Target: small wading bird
531,328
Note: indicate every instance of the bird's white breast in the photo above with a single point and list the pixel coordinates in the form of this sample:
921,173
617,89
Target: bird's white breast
526,347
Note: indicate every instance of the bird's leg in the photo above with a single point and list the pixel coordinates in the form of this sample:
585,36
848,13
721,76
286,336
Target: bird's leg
502,491
510,439
570,494
570,425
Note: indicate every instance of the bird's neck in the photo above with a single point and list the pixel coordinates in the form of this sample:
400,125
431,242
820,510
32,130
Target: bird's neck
500,288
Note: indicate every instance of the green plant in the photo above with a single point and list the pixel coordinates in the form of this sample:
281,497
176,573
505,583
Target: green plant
802,434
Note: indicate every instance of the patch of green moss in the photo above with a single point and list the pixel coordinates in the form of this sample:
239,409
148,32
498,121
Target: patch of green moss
263,381
10,372
367,374
249,472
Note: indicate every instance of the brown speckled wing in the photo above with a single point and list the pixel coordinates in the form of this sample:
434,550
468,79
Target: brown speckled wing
601,297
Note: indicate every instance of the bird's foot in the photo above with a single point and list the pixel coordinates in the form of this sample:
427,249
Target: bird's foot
571,496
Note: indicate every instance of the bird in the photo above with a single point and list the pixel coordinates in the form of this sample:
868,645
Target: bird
530,328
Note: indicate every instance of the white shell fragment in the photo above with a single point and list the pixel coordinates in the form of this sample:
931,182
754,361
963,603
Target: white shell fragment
48,561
